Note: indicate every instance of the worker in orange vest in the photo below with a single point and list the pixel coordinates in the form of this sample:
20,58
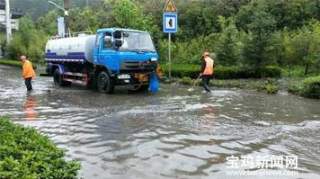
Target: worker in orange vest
207,70
28,73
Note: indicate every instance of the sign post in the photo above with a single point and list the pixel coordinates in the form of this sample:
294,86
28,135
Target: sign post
170,25
61,27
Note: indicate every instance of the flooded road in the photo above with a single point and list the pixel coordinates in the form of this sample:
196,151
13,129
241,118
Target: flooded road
174,134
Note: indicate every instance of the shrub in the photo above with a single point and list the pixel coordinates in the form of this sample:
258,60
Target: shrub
311,87
24,153
182,70
268,72
222,72
270,87
186,81
295,88
10,62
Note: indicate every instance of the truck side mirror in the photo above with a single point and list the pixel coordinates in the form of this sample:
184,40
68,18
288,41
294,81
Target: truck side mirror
118,34
118,43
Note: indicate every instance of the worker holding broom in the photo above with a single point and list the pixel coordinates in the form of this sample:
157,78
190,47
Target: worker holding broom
207,70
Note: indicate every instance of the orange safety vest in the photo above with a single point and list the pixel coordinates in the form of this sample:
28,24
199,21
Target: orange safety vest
209,66
27,70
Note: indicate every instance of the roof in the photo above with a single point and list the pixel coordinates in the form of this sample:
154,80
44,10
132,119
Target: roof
116,29
15,13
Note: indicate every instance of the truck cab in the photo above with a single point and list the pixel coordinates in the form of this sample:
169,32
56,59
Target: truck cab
112,57
128,55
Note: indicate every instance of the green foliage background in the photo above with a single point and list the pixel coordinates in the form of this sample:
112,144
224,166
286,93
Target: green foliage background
243,33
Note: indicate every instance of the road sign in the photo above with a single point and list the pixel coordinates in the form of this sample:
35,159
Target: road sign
170,22
61,27
170,25
170,6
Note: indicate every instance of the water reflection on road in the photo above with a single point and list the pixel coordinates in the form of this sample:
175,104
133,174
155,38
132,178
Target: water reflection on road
174,134
29,108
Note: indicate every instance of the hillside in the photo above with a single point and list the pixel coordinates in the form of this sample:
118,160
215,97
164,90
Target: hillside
37,8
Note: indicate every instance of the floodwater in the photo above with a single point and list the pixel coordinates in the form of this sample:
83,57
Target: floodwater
173,134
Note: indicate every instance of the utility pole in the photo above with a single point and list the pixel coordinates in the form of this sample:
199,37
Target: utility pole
8,22
67,4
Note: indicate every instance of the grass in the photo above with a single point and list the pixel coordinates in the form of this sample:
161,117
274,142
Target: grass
24,153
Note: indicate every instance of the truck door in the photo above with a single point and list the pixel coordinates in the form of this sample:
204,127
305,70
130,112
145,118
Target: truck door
108,55
96,50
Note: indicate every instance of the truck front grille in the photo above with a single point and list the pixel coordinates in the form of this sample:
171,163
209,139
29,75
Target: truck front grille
146,66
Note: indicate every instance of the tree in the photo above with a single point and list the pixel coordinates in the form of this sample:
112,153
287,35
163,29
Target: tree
48,23
28,40
259,24
306,45
227,47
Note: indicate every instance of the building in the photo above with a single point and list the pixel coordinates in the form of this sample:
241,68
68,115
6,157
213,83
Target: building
15,15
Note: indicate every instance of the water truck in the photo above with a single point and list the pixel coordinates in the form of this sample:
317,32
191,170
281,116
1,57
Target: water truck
112,57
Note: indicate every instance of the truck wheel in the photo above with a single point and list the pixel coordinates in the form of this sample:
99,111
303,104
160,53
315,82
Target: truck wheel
105,83
57,78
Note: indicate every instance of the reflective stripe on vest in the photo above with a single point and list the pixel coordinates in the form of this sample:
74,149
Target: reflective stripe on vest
209,66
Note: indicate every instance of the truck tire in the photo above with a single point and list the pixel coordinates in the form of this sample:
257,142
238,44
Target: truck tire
105,83
58,80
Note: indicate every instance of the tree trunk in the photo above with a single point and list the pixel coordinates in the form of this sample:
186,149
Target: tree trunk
306,70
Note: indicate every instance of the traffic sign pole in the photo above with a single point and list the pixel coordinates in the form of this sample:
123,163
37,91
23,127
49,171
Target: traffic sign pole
169,56
170,25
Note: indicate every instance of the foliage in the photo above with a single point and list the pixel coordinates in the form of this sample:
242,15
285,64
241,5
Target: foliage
28,40
244,33
269,87
311,87
10,62
223,72
24,153
295,86
89,22
187,81
182,70
48,23
259,23
228,45
306,45
268,72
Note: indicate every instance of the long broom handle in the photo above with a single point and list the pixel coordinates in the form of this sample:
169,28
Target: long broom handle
194,83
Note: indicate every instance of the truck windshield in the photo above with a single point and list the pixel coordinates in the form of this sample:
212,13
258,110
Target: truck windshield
137,41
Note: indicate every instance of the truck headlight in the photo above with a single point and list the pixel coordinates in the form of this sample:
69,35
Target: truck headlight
154,59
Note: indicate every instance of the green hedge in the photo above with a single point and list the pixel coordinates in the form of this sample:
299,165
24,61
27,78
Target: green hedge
311,87
221,72
10,62
24,153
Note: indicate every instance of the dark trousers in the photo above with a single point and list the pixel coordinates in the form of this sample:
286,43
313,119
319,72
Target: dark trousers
205,82
28,84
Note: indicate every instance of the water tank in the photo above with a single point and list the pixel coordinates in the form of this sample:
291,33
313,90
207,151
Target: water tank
71,48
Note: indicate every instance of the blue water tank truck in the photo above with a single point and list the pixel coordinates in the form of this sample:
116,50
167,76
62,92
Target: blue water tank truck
111,57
